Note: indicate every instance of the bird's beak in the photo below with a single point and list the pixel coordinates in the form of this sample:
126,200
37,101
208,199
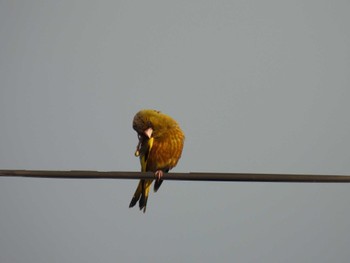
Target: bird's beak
148,132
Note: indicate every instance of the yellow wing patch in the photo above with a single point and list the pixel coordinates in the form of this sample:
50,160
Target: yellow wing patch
144,157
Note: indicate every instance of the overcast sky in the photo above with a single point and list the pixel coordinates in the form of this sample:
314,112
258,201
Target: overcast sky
257,86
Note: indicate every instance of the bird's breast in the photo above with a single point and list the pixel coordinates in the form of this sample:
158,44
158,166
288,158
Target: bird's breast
166,150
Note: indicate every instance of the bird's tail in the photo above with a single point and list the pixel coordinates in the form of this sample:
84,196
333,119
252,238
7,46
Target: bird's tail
141,194
157,184
159,181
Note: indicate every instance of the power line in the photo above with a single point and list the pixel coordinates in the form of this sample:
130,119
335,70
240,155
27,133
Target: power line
191,176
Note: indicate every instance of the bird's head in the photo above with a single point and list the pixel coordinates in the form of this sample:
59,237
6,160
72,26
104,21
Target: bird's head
151,124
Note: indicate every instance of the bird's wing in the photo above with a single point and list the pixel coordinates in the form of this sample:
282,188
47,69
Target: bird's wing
144,157
142,190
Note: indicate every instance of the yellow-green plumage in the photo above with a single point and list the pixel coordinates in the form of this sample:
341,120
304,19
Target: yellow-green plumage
159,152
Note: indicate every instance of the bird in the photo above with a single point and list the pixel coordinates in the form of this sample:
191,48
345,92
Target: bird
159,149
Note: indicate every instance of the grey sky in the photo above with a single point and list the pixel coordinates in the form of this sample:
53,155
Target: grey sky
257,86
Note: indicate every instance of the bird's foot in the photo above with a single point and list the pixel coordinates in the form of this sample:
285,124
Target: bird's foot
159,174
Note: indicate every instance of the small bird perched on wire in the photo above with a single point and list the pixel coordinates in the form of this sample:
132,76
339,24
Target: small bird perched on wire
160,146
